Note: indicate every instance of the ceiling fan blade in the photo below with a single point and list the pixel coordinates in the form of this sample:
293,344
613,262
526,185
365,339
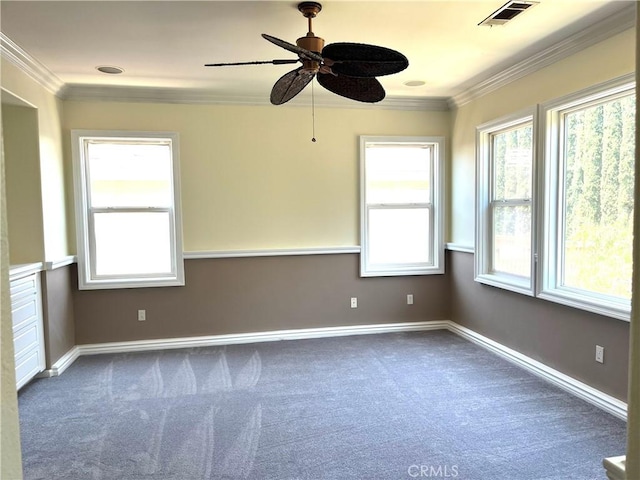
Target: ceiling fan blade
362,60
289,85
303,53
272,62
361,89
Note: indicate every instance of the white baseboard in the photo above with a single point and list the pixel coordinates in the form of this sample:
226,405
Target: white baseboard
62,364
240,338
600,399
615,467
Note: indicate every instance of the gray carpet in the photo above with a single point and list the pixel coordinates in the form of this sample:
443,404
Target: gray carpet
393,406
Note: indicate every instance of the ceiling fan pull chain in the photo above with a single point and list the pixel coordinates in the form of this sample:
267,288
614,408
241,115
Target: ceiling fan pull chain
313,113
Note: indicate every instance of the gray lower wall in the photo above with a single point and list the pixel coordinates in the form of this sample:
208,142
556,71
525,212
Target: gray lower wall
259,294
57,308
239,295
561,337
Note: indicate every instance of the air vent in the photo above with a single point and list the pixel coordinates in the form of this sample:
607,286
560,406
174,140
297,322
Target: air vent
507,12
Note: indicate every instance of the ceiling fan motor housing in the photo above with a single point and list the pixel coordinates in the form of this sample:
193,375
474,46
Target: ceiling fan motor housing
313,44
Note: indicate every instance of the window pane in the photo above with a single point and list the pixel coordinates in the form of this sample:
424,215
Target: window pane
399,174
512,161
511,249
129,174
598,197
132,243
399,235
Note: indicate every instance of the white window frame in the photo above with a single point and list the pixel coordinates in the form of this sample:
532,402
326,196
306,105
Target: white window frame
550,245
547,198
435,205
87,279
484,204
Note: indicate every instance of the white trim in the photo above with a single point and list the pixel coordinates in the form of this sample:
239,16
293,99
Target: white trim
485,202
62,364
458,247
29,65
268,252
203,254
434,204
616,23
87,277
551,194
61,262
595,303
24,270
199,96
242,338
615,467
614,86
10,98
581,390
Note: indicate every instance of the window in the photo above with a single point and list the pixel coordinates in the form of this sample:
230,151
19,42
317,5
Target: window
401,199
560,227
127,209
505,202
589,174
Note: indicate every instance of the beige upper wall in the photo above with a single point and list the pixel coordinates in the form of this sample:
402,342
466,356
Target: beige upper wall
251,177
24,196
604,61
10,459
52,165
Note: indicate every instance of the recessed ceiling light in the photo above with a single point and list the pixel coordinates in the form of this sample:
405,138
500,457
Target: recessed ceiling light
415,83
110,69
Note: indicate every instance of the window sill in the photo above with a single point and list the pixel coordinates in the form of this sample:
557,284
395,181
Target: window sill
506,284
402,273
122,284
582,302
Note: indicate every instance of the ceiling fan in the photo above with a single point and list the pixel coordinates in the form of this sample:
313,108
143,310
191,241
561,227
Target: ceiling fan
346,69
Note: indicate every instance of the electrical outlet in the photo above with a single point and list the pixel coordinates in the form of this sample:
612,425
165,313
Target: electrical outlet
599,354
354,302
142,315
410,299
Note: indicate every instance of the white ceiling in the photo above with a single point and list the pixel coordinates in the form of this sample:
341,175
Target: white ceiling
166,43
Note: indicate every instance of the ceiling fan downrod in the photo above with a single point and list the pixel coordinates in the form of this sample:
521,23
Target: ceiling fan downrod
309,11
310,42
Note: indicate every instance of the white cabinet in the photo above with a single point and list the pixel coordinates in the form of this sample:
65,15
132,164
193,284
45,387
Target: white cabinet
26,314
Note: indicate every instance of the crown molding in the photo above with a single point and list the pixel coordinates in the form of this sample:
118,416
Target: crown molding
616,23
111,93
84,92
389,103
29,65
